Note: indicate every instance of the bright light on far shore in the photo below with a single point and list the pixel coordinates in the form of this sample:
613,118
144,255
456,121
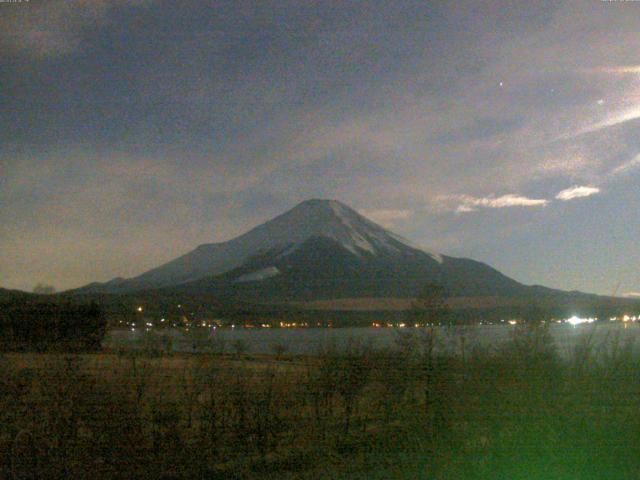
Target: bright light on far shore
577,320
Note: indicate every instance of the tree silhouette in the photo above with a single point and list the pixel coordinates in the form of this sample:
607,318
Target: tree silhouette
430,307
44,289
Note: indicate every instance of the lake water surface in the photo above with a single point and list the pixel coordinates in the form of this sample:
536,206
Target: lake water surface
312,340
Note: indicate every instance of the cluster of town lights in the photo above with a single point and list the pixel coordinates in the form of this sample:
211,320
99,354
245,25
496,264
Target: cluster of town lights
186,323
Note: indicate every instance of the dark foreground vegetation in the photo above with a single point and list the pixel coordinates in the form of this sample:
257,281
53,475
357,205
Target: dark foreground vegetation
520,412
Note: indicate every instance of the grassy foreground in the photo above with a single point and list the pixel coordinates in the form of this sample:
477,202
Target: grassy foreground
520,412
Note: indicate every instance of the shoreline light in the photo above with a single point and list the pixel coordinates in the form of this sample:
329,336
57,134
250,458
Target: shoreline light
575,320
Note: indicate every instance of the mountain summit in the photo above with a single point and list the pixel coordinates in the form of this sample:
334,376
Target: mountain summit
324,218
319,249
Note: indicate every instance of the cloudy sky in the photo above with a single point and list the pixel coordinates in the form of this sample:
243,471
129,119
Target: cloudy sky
508,132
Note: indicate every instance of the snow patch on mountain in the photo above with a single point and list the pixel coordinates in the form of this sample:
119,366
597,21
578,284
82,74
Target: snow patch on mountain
366,234
355,239
259,275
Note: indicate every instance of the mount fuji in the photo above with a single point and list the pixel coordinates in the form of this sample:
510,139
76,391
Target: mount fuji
320,249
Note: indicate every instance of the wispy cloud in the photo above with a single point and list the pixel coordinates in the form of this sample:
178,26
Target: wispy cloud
616,118
464,208
577,192
620,69
468,203
626,167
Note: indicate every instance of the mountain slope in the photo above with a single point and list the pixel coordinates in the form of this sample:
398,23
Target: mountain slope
321,268
312,218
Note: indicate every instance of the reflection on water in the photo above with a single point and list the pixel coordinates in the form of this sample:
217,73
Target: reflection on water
311,340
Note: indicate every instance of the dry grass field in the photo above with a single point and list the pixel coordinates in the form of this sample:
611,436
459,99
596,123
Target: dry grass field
517,412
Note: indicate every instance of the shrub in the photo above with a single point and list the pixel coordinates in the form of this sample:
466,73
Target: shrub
51,326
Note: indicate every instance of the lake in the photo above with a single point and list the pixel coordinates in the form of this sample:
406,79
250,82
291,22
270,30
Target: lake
304,341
